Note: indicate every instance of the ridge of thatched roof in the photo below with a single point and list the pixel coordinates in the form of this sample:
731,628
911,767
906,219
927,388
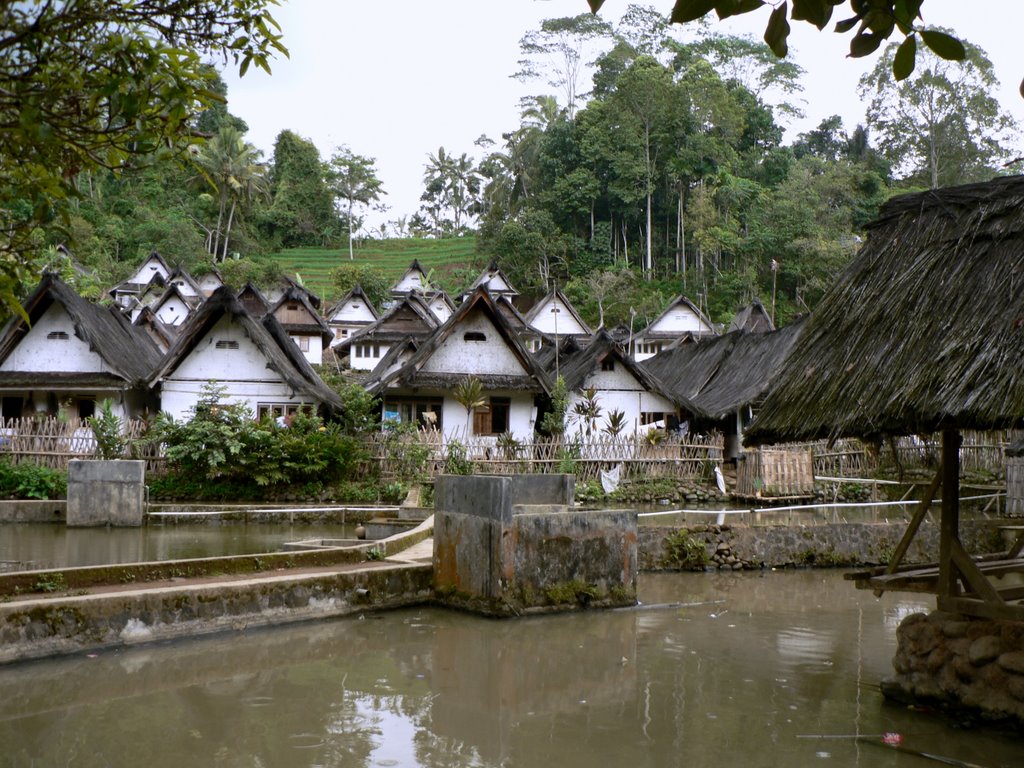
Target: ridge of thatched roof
127,350
753,317
273,342
411,373
923,331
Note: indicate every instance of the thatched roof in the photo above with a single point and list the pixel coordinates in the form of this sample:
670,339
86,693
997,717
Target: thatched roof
721,375
316,325
706,327
128,351
923,331
754,318
281,353
355,294
409,316
253,300
556,296
411,373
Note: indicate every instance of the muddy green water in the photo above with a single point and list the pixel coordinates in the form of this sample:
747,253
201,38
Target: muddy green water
735,679
37,546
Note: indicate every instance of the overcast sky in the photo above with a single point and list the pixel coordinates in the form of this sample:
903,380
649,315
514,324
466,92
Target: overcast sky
396,79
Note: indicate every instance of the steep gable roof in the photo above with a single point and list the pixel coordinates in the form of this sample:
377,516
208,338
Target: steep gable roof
409,316
253,300
753,317
559,299
656,328
313,324
413,279
412,374
355,294
282,354
128,351
495,281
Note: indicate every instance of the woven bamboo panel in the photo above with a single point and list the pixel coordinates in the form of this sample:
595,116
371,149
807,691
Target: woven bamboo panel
52,442
776,473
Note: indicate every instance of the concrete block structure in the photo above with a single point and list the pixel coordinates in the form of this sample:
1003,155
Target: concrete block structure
507,545
105,493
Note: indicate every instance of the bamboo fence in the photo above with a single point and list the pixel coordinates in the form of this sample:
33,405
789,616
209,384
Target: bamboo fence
51,442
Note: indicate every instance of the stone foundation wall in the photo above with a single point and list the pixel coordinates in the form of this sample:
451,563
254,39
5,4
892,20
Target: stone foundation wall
839,544
964,665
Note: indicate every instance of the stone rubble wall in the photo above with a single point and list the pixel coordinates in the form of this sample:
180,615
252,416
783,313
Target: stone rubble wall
964,665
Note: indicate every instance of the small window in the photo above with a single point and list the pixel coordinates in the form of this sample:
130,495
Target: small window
555,310
357,306
303,342
293,306
58,335
227,344
608,364
474,336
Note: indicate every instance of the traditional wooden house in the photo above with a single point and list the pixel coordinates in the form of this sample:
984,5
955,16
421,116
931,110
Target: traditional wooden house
187,286
302,323
495,281
353,313
555,316
682,317
414,279
210,281
409,317
254,360
174,306
154,265
162,335
69,354
477,343
610,393
937,348
253,300
441,305
753,318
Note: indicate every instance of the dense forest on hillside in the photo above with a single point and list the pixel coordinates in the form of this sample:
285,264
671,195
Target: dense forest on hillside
647,165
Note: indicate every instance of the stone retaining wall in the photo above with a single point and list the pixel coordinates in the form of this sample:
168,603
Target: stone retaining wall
963,665
33,511
838,544
38,628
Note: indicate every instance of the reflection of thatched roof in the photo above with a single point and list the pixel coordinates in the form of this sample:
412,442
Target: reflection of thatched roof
726,373
923,331
281,353
127,351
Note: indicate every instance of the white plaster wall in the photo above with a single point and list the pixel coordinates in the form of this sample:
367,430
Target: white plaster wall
184,286
179,397
206,362
409,282
149,268
521,417
35,352
440,310
366,363
315,353
679,320
209,283
174,311
352,311
619,390
455,355
562,322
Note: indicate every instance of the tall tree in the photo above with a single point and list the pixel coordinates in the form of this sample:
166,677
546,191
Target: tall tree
302,209
556,54
104,84
941,125
354,181
231,166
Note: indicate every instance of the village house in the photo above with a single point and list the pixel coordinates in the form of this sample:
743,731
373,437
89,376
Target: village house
71,354
254,360
554,317
413,280
352,313
303,324
753,318
153,266
495,281
609,393
477,343
409,317
173,306
681,318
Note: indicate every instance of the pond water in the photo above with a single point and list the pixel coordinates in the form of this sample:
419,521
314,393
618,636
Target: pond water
37,546
753,669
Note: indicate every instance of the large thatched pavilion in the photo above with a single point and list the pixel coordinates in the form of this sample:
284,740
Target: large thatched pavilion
924,332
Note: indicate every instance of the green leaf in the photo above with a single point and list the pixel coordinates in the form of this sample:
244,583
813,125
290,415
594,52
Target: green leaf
818,12
864,43
689,10
942,45
777,31
736,7
847,24
903,61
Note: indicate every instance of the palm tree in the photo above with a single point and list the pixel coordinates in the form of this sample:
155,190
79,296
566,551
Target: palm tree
231,166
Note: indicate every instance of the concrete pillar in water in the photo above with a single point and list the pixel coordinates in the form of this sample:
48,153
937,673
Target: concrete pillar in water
506,545
105,492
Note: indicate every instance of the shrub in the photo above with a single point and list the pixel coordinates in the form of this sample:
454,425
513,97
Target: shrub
29,481
106,428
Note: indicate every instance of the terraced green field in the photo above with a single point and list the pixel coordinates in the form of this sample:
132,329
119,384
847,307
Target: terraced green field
445,257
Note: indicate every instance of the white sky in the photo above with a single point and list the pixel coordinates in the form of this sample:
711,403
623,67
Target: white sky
397,79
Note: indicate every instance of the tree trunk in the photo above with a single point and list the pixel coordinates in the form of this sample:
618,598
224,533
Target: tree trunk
227,230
